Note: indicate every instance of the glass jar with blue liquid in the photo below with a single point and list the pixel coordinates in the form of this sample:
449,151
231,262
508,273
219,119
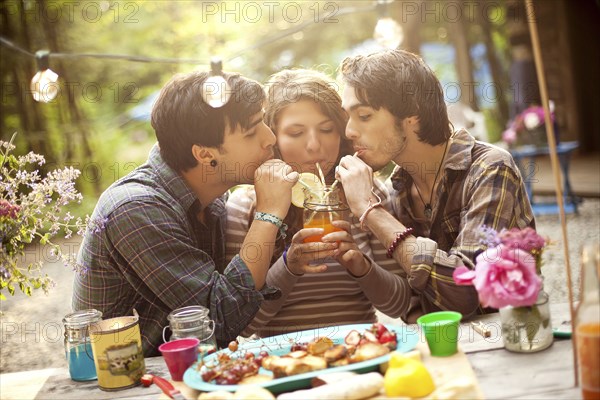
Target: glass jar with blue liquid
78,348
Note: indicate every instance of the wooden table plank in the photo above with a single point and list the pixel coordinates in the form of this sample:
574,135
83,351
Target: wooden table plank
503,374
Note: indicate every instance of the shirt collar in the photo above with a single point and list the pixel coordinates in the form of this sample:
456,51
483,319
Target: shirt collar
171,179
459,158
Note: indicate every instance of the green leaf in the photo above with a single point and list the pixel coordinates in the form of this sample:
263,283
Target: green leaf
44,239
11,289
2,296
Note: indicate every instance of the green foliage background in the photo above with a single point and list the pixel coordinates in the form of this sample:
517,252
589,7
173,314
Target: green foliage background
91,129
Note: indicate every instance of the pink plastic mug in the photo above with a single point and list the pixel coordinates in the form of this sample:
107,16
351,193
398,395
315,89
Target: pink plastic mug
179,355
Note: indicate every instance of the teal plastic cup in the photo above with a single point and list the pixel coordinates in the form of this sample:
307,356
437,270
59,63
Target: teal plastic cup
441,332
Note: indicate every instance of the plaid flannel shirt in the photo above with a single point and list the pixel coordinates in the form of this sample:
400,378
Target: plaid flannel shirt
155,256
480,185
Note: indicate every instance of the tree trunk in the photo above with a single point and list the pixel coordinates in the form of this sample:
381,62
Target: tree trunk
498,75
76,117
464,66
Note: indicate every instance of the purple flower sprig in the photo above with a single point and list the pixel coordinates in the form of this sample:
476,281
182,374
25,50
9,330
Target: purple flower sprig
31,206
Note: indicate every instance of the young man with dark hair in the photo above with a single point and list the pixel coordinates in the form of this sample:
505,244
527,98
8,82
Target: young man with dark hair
163,247
445,187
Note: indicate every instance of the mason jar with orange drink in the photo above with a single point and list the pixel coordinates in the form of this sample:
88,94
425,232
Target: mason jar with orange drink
322,206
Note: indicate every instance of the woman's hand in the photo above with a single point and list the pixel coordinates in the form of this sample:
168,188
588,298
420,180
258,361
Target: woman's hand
300,254
348,254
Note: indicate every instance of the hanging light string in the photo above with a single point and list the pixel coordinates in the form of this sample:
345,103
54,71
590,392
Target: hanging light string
261,43
45,88
126,57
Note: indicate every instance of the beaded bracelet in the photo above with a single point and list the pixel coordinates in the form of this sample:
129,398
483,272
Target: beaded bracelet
275,220
400,237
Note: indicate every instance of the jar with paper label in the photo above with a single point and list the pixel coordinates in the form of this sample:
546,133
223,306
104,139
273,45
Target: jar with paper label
78,348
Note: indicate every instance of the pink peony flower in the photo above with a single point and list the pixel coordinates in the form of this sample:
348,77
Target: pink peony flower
525,239
509,136
503,276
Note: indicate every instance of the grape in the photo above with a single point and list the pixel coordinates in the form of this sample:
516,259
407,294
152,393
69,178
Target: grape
263,354
233,346
248,356
208,375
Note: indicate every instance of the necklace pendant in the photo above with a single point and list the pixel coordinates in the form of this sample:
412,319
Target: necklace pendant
427,211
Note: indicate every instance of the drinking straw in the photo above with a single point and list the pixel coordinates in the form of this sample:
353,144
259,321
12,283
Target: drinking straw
321,174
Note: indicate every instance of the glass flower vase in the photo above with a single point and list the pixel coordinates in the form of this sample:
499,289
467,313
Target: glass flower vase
527,329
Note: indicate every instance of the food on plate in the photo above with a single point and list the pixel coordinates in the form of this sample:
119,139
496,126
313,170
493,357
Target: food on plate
319,345
231,370
288,366
378,333
321,353
335,353
407,377
368,351
354,388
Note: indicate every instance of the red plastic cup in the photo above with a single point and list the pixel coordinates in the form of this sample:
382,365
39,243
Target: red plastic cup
179,355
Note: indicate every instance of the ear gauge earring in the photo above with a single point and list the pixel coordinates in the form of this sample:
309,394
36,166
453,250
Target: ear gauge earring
213,163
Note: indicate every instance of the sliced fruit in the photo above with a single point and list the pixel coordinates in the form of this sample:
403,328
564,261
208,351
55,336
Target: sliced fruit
147,380
353,338
379,329
370,336
306,181
386,337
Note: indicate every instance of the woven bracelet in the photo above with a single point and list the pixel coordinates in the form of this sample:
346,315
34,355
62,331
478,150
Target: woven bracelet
275,220
400,237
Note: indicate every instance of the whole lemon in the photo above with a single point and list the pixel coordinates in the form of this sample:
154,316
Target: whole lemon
407,377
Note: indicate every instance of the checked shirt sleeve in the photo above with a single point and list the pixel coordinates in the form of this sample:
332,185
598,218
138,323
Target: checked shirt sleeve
164,265
494,196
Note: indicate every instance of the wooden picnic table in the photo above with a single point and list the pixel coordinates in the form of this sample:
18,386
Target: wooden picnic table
500,373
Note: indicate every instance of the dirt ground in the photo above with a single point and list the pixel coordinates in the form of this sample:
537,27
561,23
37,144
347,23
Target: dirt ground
32,329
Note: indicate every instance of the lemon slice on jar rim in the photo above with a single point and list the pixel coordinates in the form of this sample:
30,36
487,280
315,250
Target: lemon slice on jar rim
307,181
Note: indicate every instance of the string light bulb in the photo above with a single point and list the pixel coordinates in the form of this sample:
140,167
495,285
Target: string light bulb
388,33
44,86
215,89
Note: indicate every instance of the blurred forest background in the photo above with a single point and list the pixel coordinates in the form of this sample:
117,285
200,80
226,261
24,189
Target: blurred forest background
99,121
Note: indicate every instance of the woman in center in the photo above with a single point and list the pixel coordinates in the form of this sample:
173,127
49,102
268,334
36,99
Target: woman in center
344,278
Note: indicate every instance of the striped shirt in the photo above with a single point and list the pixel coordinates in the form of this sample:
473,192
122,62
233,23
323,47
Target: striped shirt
155,256
481,185
323,299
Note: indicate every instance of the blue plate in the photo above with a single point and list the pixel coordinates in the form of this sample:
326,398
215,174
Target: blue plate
281,344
